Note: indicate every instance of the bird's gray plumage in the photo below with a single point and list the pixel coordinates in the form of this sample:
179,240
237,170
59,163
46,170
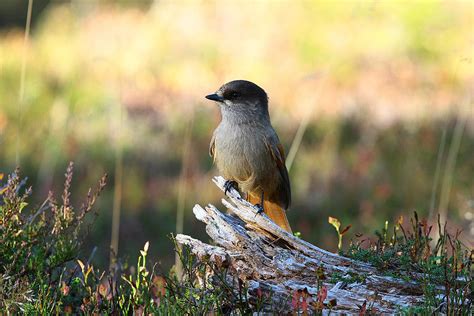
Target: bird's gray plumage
245,147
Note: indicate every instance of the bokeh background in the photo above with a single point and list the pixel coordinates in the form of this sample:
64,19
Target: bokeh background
371,99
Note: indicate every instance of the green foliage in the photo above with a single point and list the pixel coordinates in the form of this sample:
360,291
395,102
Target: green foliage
414,255
41,272
37,245
350,277
142,290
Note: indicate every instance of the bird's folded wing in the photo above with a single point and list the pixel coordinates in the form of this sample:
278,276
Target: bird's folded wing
212,146
278,155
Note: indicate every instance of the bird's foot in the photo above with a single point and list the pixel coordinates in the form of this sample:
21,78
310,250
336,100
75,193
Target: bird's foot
229,184
260,209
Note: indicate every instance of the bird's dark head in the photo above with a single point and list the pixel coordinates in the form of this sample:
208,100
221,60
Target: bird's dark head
241,96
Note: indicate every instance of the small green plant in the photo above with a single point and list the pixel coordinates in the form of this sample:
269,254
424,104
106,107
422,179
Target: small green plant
208,288
412,254
340,233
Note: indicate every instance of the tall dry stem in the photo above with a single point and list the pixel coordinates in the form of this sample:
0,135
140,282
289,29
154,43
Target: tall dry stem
450,166
182,182
117,204
439,160
21,93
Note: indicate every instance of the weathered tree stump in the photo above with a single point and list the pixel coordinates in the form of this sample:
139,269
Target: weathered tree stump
268,258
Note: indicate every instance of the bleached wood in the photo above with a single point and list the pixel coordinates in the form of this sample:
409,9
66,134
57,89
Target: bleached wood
264,256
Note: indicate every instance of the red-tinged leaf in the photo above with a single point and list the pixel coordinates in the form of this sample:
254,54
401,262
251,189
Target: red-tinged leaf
304,305
158,286
139,311
295,299
322,294
363,309
65,289
103,290
345,229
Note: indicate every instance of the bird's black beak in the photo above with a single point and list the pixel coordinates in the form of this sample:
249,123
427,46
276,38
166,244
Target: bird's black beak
215,97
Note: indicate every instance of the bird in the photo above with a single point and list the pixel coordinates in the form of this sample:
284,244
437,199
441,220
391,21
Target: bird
247,151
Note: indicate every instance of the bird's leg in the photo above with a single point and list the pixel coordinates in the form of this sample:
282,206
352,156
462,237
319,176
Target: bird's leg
259,206
229,184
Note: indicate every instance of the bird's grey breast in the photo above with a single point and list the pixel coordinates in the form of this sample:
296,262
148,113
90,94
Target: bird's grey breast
241,153
233,147
232,141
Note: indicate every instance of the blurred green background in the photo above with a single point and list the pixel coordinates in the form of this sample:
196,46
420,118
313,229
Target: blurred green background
382,91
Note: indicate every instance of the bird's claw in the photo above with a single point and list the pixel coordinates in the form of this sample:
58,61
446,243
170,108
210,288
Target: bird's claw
260,209
229,184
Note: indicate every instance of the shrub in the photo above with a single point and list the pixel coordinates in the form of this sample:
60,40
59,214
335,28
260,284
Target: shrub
41,272
38,245
414,254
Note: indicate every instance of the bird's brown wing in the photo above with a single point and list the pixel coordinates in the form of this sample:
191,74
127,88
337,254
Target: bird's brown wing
278,155
212,147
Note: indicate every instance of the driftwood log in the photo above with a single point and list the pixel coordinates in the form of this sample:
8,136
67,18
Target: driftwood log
267,258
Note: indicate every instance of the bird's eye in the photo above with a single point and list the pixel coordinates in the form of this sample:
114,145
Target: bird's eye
235,95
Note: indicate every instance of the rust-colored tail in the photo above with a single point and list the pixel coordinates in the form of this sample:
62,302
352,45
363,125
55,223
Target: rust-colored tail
277,214
274,212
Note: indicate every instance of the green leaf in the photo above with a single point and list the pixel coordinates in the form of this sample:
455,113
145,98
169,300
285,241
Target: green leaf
334,222
79,262
23,205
